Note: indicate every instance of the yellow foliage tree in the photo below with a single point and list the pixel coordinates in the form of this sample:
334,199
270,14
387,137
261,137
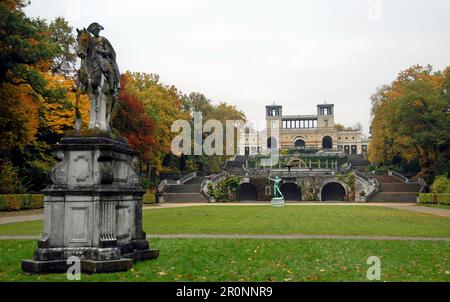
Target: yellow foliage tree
60,117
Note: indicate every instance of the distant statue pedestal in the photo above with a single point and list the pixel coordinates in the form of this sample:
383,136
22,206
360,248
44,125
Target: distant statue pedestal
277,202
92,208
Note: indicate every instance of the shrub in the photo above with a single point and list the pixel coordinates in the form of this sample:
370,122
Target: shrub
441,184
310,196
11,202
9,180
26,203
37,201
224,190
149,197
16,202
443,198
425,198
433,198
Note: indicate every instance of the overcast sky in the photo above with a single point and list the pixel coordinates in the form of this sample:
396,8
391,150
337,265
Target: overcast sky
252,53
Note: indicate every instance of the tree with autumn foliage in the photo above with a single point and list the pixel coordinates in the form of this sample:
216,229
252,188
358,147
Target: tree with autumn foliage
411,121
163,105
197,102
36,101
132,122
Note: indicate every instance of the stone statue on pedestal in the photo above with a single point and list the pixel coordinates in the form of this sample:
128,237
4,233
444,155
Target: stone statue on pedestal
93,201
278,198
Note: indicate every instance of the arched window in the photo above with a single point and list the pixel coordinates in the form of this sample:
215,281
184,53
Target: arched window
299,143
327,142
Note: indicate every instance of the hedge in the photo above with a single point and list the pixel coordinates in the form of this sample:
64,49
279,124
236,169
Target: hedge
16,202
435,198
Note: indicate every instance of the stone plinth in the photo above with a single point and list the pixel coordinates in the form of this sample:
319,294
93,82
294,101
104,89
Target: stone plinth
277,202
92,209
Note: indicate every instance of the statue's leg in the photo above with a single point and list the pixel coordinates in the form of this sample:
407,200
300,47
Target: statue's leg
279,192
97,108
103,97
92,113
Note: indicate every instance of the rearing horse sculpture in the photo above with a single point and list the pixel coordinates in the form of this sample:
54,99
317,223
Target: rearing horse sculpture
91,80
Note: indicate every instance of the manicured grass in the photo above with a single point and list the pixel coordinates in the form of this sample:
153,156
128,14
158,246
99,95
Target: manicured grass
332,220
261,260
22,228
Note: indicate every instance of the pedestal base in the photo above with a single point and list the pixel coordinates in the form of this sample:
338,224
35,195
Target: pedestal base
87,266
277,202
92,209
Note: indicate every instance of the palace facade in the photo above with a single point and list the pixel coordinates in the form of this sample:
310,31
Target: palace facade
303,131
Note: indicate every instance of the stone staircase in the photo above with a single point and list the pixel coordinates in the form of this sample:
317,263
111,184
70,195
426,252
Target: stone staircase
358,162
188,191
393,189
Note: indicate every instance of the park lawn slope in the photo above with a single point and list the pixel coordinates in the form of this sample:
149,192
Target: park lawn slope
261,260
332,220
314,220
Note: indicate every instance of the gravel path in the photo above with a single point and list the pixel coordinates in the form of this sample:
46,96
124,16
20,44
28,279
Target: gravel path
420,209
12,219
278,237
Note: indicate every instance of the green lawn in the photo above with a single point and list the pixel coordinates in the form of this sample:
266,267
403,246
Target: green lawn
333,220
261,260
268,260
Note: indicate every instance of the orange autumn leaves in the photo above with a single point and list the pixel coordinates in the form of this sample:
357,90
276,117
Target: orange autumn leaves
24,112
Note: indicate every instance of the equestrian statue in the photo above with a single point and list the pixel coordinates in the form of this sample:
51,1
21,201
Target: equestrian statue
98,76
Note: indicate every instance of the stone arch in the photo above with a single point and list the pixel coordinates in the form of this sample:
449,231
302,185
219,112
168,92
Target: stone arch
272,143
247,192
299,142
327,142
291,191
333,191
301,162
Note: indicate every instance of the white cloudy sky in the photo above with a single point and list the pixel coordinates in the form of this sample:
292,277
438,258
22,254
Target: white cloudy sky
255,52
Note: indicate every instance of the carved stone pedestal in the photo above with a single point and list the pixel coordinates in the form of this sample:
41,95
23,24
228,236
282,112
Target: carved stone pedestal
92,209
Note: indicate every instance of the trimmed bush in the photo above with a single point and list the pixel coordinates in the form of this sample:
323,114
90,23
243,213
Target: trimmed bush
17,202
149,197
37,200
433,198
11,202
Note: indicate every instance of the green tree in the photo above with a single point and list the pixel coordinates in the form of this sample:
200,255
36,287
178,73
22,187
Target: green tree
62,35
26,52
411,121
